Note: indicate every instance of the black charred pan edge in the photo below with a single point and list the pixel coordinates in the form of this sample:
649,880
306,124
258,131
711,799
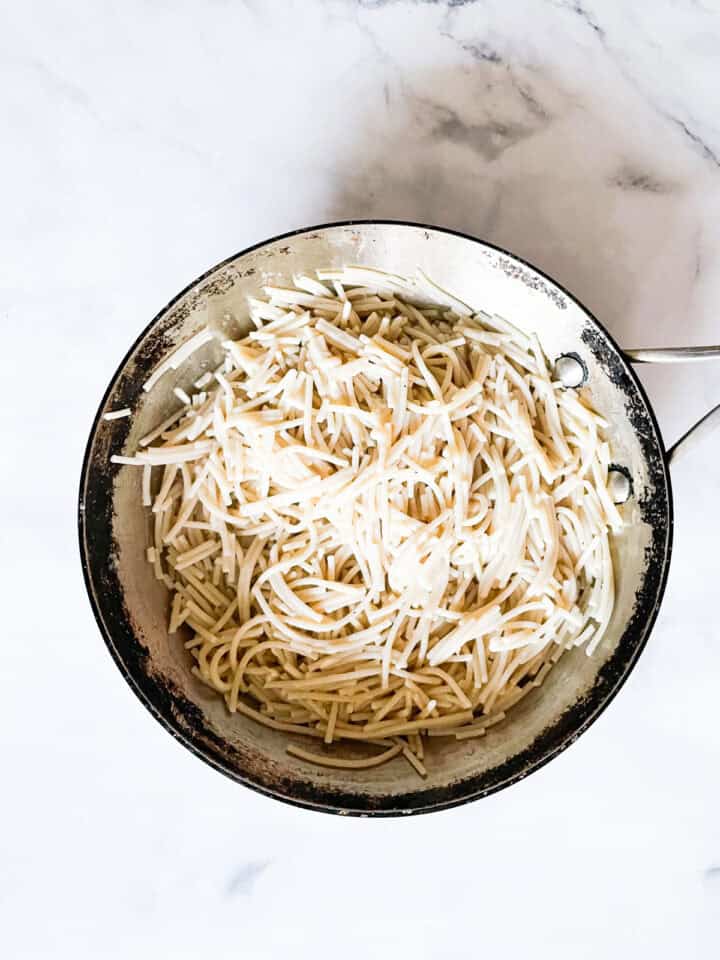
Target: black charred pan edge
185,721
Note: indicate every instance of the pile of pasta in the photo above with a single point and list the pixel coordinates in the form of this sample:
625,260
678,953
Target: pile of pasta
380,518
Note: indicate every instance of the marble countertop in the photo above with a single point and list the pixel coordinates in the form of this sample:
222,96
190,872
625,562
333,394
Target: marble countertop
144,141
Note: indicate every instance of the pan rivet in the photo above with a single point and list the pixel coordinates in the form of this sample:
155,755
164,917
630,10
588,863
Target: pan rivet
570,370
619,484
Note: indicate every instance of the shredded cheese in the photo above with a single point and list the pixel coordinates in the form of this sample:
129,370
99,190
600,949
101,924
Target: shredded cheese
178,357
379,521
117,414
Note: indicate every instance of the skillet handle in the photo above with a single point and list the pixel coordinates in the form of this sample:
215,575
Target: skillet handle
711,420
704,426
672,354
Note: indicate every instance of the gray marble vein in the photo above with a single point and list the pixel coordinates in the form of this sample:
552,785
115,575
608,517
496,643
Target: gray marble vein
632,178
242,881
585,16
705,149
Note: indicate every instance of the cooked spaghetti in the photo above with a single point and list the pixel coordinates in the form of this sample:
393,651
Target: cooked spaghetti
378,520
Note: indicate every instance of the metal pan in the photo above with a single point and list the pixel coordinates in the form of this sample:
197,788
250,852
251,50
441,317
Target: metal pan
131,607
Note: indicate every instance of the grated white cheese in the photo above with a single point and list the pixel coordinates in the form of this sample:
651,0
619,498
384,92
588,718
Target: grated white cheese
179,356
378,519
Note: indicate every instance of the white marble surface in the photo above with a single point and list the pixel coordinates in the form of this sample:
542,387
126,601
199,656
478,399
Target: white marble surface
143,141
